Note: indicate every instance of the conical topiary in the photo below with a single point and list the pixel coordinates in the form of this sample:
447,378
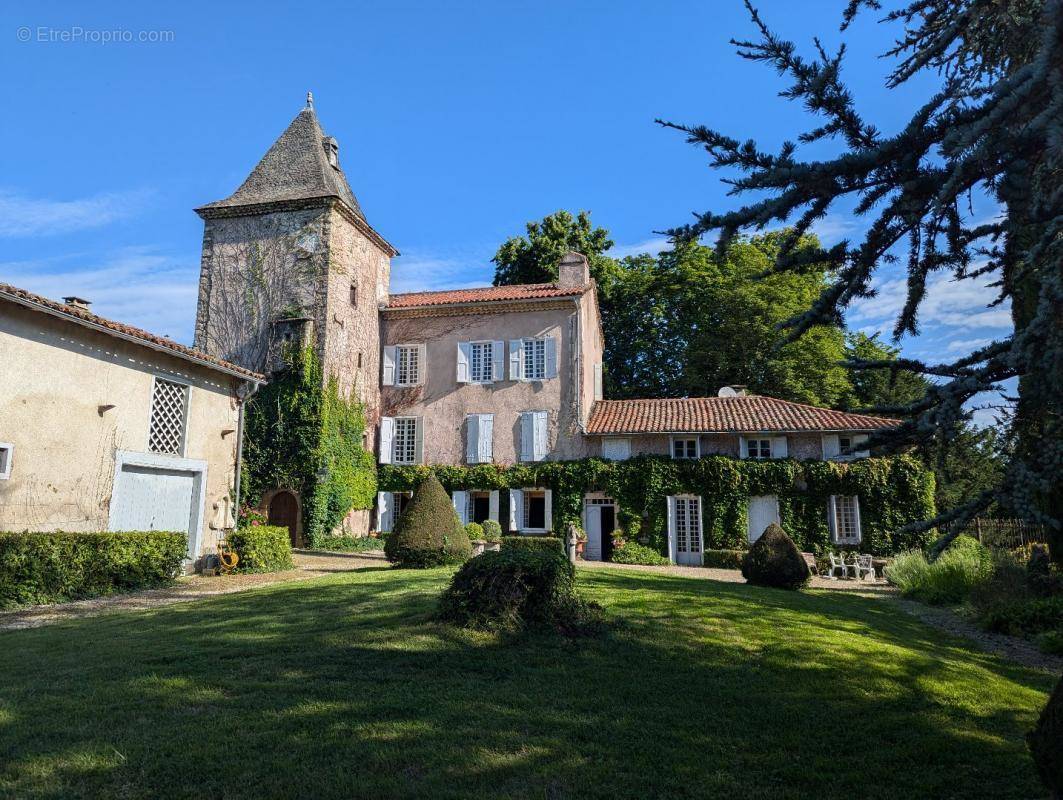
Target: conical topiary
428,533
774,560
1046,743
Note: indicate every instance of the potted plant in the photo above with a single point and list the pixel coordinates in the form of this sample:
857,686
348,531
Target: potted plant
475,532
581,542
492,534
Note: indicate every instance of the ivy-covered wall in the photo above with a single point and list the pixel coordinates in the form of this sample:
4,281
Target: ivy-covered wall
302,434
893,492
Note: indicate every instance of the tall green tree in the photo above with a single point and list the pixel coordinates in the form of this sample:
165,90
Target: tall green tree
534,257
994,127
888,388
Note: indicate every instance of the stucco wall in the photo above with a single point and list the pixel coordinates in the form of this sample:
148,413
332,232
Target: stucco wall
800,446
56,377
444,403
592,350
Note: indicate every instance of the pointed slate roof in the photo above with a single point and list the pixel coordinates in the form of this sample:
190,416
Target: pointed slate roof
296,167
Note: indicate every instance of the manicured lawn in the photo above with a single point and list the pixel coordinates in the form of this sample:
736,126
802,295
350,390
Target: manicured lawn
344,687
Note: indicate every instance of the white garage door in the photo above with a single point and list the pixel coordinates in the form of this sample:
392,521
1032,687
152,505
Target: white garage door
763,511
154,499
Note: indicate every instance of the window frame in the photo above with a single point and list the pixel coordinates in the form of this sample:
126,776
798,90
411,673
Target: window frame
675,439
525,525
485,346
618,441
539,343
854,519
7,456
760,440
416,350
412,446
186,402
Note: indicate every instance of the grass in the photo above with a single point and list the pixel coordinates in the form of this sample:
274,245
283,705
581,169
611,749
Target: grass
345,687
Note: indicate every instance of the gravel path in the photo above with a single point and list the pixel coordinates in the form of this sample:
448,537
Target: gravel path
191,587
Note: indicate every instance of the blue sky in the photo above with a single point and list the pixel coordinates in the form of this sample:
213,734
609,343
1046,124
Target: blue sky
457,123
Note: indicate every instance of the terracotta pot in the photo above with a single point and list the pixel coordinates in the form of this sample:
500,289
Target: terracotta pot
579,548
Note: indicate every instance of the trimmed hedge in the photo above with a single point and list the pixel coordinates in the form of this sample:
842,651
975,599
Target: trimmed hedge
54,567
262,548
635,553
774,560
509,590
723,559
536,543
429,533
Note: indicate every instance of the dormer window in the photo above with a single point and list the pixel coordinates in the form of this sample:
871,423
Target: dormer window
332,151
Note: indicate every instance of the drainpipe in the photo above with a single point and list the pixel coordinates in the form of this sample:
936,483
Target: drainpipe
240,447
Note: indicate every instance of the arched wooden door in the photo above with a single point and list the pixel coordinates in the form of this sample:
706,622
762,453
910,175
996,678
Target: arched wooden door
284,512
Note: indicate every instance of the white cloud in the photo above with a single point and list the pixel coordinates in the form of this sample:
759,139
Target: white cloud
137,285
966,345
650,246
953,303
26,216
832,228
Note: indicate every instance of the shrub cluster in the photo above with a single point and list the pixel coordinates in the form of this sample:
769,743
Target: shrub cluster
429,533
551,543
723,559
949,579
262,548
492,530
1022,600
348,544
635,553
513,589
774,560
1046,742
475,531
53,567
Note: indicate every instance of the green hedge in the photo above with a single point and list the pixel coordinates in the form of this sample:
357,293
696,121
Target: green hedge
723,559
54,567
635,553
262,548
537,543
893,491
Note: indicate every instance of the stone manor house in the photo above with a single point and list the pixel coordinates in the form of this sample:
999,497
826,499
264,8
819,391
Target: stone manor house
489,375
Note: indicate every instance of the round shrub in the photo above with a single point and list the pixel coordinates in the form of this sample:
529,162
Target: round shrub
492,530
635,553
508,590
551,543
1046,742
429,532
475,531
774,560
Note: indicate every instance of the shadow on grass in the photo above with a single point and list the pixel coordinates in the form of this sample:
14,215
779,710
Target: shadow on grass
347,687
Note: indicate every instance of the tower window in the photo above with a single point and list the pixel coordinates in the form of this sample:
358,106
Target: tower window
354,295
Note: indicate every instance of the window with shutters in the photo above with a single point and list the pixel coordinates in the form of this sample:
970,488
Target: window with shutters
685,447
846,520
758,448
404,446
534,511
407,365
534,359
686,525
169,406
481,365
479,507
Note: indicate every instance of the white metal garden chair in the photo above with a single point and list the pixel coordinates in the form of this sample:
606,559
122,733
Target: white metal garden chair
836,563
864,567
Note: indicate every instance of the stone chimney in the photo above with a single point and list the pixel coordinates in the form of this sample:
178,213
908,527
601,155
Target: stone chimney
573,270
77,302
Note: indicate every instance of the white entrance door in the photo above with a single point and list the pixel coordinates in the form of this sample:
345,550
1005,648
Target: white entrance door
763,511
684,530
157,498
592,551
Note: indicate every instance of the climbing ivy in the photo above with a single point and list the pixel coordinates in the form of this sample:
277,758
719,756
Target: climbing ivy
893,492
302,434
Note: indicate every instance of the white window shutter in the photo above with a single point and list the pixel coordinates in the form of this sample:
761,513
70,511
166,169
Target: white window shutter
550,352
492,506
461,505
527,436
388,367
856,513
464,357
472,438
672,551
701,535
831,447
516,359
860,446
598,381
486,438
498,359
418,441
422,363
548,505
542,434
832,521
384,512
387,439
743,448
778,447
516,510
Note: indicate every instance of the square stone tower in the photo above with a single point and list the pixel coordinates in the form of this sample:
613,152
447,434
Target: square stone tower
290,254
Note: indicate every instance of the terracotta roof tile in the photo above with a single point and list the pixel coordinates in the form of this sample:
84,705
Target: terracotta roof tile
485,294
157,342
720,414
